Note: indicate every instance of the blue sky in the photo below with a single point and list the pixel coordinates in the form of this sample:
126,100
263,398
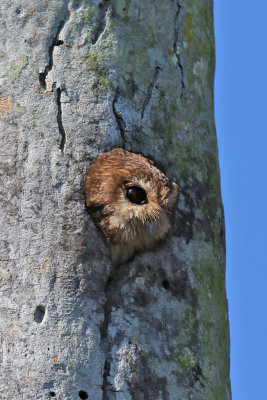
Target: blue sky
241,120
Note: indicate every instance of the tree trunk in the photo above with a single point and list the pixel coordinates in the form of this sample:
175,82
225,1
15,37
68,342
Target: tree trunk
79,78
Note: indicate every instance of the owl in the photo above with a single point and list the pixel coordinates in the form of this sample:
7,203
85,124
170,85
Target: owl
130,200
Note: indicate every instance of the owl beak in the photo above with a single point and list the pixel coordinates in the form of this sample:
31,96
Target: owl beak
151,227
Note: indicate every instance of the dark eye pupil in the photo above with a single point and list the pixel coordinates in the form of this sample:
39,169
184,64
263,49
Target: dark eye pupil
136,195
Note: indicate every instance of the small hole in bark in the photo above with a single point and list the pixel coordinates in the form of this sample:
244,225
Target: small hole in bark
76,4
52,394
42,80
166,284
83,395
39,314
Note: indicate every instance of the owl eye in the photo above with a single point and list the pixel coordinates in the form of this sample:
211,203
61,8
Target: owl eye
136,195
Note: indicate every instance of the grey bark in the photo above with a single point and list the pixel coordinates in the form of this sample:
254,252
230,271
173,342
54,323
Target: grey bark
77,79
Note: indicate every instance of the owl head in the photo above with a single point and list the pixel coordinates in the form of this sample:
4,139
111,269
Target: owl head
130,200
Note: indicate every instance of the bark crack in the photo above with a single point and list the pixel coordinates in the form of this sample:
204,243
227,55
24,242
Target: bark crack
149,91
180,65
120,122
43,78
105,344
102,21
175,42
59,121
55,42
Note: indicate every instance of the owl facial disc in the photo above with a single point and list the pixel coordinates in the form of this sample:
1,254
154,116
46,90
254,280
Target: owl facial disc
131,202
151,227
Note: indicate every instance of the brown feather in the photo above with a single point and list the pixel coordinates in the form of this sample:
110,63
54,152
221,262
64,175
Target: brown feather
123,223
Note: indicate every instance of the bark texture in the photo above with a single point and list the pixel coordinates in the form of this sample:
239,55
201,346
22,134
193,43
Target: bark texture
77,79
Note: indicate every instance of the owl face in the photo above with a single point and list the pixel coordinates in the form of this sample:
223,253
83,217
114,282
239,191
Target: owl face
130,201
